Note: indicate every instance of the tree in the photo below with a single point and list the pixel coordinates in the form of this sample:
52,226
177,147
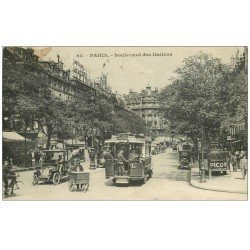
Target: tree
126,121
20,92
196,98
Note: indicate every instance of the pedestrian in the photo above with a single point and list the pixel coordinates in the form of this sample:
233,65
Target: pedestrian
33,158
37,156
243,166
237,156
228,161
242,153
41,159
78,168
233,162
107,154
121,161
29,160
133,156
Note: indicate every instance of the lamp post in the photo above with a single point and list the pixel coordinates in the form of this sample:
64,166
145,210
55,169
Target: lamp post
92,150
6,125
203,174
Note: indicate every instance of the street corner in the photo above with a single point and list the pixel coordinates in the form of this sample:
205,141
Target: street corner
232,182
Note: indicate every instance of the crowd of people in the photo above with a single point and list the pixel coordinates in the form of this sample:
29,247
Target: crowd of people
238,161
35,157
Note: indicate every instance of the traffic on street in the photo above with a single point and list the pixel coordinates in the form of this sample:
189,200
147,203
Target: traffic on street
167,183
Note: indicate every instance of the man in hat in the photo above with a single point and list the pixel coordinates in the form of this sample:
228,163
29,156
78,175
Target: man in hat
121,161
8,174
78,168
243,166
37,156
107,154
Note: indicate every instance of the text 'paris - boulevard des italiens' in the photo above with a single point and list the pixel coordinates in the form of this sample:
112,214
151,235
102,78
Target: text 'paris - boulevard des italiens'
126,54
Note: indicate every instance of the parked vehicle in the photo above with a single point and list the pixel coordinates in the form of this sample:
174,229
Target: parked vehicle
137,150
54,168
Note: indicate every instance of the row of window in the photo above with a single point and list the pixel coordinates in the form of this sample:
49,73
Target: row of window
63,96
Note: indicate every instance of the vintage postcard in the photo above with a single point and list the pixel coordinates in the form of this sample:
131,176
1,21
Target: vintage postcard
124,123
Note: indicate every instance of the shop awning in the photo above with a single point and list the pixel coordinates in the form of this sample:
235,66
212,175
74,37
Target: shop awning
13,137
74,142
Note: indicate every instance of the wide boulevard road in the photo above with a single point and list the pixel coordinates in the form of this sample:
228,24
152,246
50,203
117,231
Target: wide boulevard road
168,183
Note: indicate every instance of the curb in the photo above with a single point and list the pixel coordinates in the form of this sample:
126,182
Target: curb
218,190
214,189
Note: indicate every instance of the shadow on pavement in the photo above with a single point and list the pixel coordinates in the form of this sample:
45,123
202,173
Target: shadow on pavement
110,183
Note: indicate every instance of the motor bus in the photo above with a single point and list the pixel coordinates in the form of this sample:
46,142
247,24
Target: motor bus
137,150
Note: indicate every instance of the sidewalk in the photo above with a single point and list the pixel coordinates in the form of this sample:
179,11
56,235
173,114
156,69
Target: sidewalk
230,183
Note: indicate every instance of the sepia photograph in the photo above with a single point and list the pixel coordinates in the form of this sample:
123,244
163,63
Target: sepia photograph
124,123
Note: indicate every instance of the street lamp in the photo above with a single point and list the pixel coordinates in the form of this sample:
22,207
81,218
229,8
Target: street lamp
92,150
203,169
6,123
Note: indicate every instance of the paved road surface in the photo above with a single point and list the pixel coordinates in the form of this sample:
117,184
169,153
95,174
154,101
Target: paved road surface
168,183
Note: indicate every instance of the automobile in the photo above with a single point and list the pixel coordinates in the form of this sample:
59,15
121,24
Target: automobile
54,168
185,158
175,147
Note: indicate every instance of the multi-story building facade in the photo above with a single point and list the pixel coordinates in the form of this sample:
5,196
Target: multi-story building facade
64,84
146,105
238,129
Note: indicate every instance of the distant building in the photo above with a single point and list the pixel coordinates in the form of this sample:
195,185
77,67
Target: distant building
237,60
145,104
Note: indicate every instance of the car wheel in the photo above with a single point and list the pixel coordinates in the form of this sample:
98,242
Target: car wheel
145,178
150,173
85,187
35,179
71,185
56,178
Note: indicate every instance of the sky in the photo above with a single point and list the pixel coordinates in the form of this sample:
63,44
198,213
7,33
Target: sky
133,67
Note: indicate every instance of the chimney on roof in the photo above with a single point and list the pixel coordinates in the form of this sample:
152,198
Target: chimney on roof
148,89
